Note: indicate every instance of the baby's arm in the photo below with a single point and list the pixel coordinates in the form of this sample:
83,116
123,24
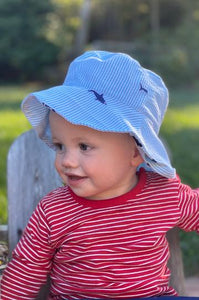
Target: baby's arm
189,208
31,261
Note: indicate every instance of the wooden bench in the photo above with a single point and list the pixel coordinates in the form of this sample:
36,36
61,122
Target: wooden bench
31,175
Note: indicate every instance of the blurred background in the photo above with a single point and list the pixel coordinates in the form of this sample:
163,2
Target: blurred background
40,38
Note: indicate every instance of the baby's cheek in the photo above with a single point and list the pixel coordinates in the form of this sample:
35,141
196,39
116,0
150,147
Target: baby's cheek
58,165
60,170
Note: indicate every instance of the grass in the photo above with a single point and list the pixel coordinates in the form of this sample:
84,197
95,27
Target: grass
180,130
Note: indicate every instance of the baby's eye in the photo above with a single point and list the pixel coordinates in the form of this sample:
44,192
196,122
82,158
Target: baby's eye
58,147
83,147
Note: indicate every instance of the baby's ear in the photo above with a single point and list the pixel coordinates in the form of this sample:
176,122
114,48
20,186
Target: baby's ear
136,158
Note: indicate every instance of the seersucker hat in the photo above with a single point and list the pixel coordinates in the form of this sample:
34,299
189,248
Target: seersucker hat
108,92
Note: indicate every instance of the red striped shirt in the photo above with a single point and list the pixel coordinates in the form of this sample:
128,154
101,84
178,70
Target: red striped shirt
113,248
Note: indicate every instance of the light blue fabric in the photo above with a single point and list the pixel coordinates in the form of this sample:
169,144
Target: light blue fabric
108,92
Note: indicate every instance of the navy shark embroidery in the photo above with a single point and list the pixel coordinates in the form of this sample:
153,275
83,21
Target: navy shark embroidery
137,142
153,160
99,97
143,89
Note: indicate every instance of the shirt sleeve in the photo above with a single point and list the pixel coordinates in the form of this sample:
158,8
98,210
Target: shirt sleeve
31,260
189,208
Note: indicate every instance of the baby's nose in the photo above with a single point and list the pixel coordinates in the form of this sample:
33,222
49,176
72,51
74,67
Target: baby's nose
70,160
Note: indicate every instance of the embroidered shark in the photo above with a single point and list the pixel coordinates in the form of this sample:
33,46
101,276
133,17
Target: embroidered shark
143,89
137,142
99,97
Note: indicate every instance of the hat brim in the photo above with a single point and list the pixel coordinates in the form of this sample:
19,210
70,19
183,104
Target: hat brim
80,107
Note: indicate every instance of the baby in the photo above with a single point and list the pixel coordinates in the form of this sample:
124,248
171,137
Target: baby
102,235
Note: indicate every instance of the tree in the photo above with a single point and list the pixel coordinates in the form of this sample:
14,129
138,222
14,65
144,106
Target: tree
24,48
83,31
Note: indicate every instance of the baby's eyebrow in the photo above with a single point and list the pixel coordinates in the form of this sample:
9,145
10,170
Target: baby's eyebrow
81,139
54,139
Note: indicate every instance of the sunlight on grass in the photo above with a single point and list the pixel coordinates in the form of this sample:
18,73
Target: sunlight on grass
177,119
3,201
16,93
12,123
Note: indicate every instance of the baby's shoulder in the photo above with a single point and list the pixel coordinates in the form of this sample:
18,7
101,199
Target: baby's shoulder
155,179
156,184
58,195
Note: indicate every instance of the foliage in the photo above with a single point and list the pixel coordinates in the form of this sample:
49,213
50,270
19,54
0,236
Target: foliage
37,37
176,59
129,20
63,24
24,47
169,49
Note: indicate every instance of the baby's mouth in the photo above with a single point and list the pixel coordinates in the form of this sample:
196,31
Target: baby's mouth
73,179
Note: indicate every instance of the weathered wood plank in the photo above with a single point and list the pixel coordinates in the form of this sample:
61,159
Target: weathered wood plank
175,264
30,175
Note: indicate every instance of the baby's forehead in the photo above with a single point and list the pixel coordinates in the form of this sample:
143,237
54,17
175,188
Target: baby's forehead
59,124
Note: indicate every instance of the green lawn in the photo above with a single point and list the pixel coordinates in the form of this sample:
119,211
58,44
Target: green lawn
180,131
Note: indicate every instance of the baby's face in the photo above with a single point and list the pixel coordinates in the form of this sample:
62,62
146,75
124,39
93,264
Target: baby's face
96,165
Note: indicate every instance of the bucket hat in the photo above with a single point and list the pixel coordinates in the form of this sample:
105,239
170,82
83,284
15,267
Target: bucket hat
108,92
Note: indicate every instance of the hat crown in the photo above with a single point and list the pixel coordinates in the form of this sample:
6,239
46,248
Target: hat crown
119,77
